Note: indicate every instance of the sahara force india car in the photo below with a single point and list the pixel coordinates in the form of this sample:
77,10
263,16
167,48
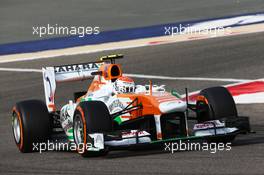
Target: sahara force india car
115,113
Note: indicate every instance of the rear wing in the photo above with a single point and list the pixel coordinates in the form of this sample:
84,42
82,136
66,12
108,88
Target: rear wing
71,72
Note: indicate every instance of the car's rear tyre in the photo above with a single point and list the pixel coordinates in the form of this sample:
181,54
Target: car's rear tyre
31,124
77,95
90,117
215,103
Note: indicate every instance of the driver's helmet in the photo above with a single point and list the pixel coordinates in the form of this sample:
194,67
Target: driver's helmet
124,85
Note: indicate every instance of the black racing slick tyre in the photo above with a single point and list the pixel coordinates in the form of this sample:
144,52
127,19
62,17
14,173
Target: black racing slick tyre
77,95
215,103
90,117
31,124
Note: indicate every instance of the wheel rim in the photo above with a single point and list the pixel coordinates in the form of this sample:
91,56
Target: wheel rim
78,130
16,128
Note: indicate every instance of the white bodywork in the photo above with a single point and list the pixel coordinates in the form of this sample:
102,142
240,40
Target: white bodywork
211,128
108,95
57,74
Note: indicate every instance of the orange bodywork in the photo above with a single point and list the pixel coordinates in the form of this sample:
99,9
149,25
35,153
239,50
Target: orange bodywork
110,71
95,85
107,74
150,103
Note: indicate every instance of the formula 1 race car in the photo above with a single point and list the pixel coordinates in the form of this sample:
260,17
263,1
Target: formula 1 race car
116,113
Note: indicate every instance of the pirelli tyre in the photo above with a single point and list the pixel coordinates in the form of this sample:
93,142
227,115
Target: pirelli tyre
215,103
30,124
90,117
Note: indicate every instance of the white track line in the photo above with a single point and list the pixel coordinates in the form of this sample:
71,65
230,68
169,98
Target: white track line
186,78
143,76
20,70
228,85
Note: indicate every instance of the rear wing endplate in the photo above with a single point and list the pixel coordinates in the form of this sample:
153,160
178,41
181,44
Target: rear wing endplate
65,73
71,72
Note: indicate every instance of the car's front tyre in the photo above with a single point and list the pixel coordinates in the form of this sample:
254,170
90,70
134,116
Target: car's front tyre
215,103
90,117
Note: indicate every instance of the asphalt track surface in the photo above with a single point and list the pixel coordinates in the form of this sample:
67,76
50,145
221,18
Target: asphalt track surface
228,57
18,17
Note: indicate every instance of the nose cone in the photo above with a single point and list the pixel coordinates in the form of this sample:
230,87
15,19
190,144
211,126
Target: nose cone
172,106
